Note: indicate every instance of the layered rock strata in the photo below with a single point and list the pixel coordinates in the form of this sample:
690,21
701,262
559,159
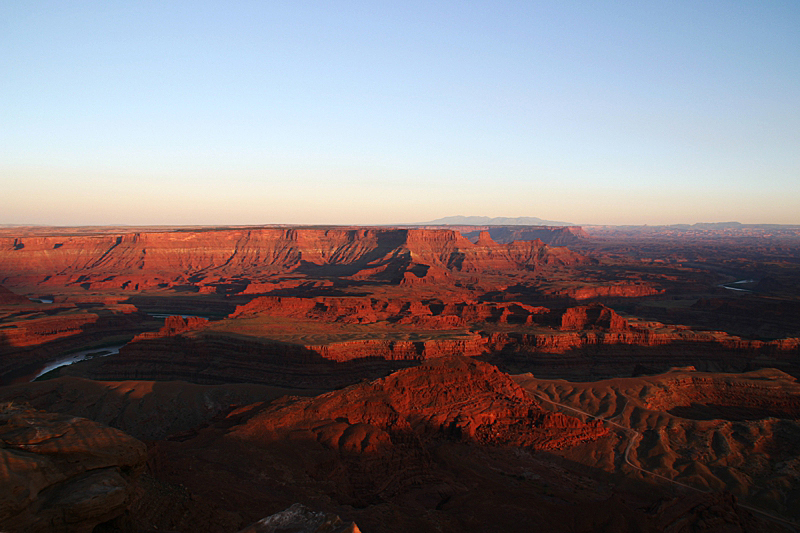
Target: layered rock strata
62,473
152,260
271,341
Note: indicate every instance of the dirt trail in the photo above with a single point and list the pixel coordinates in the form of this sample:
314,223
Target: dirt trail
635,436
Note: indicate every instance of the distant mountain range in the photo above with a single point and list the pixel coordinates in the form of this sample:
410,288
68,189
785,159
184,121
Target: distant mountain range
493,221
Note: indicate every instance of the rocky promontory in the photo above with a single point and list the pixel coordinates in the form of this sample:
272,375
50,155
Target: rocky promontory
63,473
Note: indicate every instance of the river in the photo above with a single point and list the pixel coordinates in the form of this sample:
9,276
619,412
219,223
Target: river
79,356
740,282
94,352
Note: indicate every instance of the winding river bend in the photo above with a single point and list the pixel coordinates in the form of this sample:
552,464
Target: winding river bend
103,351
79,356
740,282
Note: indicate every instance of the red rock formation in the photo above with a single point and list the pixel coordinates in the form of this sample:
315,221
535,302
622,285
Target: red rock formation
262,288
450,395
45,329
429,314
212,358
304,345
151,260
695,341
615,290
420,274
469,345
596,316
36,335
349,310
401,453
60,473
175,325
767,390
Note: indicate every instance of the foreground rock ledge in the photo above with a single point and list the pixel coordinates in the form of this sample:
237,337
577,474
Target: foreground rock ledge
300,519
63,473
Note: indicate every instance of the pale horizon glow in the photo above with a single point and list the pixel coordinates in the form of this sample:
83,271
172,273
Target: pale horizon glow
249,113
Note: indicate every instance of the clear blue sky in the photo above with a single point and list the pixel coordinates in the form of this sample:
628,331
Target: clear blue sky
388,112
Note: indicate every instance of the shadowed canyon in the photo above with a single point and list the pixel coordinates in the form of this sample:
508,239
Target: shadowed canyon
381,379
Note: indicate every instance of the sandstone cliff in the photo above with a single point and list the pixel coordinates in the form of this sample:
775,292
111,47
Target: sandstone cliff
151,260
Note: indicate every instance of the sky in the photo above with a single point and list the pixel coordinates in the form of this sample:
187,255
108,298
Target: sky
269,112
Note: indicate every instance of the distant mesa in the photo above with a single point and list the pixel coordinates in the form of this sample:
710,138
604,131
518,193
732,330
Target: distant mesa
718,225
504,230
549,235
461,220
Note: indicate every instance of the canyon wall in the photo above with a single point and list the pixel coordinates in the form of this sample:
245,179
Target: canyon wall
148,260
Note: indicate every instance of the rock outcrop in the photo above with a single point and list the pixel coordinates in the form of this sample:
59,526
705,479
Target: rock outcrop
300,519
62,473
174,325
424,314
451,396
595,316
330,342
607,290
399,453
42,329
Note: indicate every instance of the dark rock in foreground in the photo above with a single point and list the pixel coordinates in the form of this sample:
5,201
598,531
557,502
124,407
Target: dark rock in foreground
62,473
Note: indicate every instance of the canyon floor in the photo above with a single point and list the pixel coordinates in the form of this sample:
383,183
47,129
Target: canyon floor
506,378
